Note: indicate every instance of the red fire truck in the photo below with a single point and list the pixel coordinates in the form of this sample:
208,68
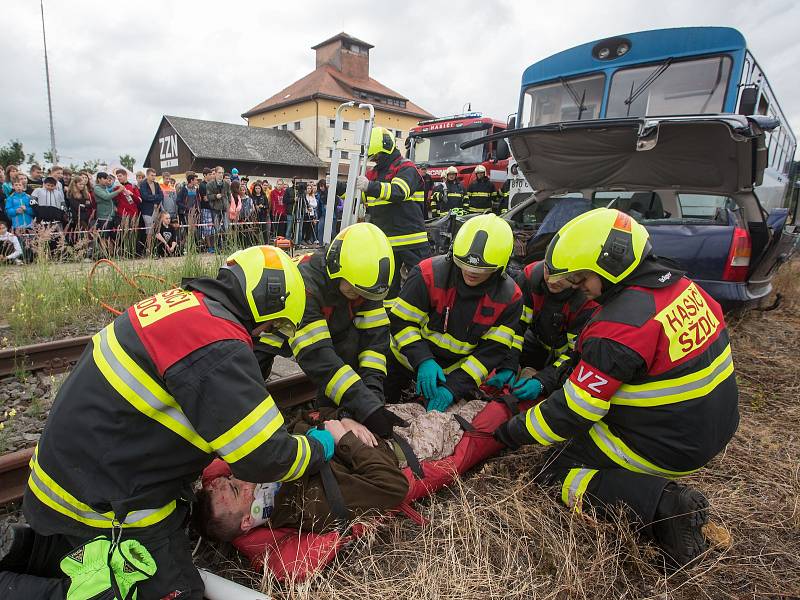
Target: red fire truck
436,143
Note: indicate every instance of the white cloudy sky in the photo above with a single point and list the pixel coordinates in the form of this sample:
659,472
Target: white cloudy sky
115,71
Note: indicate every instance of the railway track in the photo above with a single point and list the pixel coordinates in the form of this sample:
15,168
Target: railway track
51,357
60,356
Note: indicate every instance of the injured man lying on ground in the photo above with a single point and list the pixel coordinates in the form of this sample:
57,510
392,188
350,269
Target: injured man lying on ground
367,472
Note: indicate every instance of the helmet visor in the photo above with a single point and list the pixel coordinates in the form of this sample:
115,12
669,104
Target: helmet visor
377,292
477,270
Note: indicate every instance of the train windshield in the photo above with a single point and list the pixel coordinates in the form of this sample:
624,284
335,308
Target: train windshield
576,99
690,87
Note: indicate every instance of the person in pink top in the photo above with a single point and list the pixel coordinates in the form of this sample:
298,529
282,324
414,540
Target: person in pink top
278,208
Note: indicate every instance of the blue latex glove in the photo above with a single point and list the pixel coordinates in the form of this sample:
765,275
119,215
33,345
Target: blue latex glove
527,389
443,399
325,438
502,377
429,375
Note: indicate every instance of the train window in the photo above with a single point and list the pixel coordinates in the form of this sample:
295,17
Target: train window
689,87
575,99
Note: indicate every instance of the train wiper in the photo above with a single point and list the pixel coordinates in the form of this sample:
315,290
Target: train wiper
579,102
646,84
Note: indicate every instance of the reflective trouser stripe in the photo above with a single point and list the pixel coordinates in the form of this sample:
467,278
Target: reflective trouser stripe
372,360
406,336
476,209
408,239
58,499
695,385
341,381
371,318
538,427
475,369
613,447
249,433
527,314
583,403
131,382
407,311
501,334
574,487
270,339
302,458
310,334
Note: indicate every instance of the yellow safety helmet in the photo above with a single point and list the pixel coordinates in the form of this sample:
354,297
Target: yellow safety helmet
362,255
604,240
451,171
271,283
483,242
380,140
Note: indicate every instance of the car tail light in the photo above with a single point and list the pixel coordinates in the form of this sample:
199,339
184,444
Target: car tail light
739,256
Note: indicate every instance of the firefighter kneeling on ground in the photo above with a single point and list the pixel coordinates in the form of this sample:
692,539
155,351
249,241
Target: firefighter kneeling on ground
653,396
168,386
448,194
553,314
343,338
454,319
481,194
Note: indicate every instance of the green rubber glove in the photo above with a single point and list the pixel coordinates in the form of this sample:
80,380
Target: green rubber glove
89,568
443,399
429,375
502,378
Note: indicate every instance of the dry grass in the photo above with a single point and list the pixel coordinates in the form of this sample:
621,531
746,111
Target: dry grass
497,535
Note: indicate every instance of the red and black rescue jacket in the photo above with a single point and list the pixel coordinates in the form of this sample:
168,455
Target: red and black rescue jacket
166,387
395,201
341,344
654,388
467,330
551,323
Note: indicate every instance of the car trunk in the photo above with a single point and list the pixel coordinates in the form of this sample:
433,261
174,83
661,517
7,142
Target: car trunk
722,156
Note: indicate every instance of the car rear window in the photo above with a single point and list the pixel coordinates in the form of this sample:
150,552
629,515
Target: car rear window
704,206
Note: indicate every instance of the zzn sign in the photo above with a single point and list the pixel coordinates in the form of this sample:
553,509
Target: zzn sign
168,151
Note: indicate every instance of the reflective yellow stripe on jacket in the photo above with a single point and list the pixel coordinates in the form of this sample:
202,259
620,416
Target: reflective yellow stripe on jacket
341,381
52,495
308,335
372,360
367,319
408,239
668,391
148,396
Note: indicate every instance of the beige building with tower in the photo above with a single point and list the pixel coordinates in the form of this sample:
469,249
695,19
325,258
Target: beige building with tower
308,106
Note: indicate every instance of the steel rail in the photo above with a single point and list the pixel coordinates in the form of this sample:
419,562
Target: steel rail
52,357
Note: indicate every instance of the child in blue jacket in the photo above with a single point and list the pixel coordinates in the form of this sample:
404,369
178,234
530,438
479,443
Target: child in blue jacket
18,206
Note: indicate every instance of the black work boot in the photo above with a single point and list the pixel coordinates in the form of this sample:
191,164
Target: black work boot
16,543
678,527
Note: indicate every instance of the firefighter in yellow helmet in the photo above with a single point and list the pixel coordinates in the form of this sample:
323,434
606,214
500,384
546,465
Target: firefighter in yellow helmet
454,319
168,386
481,194
394,194
343,338
449,193
653,395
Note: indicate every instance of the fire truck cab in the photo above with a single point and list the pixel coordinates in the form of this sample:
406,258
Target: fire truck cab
436,143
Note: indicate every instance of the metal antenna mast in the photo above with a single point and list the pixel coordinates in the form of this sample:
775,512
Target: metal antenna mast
49,99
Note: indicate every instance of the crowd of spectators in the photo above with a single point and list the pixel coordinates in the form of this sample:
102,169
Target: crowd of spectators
109,214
